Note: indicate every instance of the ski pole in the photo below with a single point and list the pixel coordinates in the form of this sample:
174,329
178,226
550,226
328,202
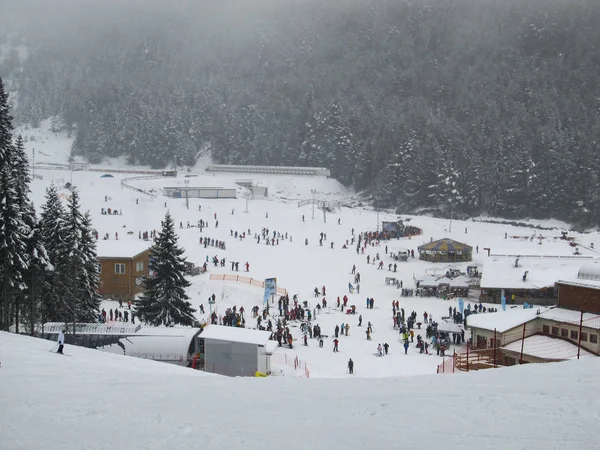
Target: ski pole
53,349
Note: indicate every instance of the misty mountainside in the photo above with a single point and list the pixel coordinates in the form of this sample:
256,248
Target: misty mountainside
475,106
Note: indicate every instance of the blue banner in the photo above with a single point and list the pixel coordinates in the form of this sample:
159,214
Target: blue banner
503,303
270,289
461,305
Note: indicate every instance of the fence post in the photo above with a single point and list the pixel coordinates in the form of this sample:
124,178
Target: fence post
467,356
453,360
522,344
495,345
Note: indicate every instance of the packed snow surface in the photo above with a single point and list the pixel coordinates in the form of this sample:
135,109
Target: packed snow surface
95,400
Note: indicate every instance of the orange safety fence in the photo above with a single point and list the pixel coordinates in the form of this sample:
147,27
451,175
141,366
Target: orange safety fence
245,280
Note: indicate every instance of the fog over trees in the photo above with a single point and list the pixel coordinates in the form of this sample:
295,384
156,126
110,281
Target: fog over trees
480,106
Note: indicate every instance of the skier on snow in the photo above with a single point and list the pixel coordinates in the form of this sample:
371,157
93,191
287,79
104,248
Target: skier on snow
61,341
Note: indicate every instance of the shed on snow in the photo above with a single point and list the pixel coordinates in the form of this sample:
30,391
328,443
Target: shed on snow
235,352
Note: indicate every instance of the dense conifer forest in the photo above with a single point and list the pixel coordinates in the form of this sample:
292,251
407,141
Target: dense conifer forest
476,106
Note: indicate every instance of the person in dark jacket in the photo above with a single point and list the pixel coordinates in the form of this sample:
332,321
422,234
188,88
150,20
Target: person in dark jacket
350,366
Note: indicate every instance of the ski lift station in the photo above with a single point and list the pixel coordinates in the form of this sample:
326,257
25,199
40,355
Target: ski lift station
174,345
222,350
235,352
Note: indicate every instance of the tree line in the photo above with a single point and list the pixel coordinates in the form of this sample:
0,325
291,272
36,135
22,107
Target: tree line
465,106
48,265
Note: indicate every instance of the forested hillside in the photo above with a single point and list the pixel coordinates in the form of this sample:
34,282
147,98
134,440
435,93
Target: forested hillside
483,106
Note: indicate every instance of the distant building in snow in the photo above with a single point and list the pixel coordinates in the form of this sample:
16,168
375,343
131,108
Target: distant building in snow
525,279
581,292
121,264
551,334
79,166
283,170
445,250
198,192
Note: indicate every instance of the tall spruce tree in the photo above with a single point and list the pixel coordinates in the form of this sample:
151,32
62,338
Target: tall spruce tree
13,230
165,301
27,301
89,297
75,255
52,218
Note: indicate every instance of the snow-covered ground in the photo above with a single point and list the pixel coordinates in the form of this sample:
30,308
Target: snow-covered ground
94,400
299,268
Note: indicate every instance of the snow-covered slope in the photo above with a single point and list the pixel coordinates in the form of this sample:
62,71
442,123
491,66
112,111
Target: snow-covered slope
300,268
94,400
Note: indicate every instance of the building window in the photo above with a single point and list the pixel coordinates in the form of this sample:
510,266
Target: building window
555,331
139,266
584,337
593,338
546,329
564,333
120,269
574,334
99,267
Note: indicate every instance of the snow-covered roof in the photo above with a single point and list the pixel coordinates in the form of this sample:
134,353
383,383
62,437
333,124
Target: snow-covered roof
126,248
271,346
109,328
160,343
179,331
591,284
449,327
588,276
589,272
458,282
503,321
501,273
234,334
428,280
546,347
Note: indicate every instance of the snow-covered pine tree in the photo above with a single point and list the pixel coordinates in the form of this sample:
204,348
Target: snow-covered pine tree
27,301
13,231
165,301
78,288
54,306
88,291
6,126
37,272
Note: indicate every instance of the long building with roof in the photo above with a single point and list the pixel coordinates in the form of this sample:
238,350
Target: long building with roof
539,335
528,279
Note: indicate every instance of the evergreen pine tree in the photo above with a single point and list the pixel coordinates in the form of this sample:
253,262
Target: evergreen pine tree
165,301
52,218
89,281
77,280
13,231
6,126
27,301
